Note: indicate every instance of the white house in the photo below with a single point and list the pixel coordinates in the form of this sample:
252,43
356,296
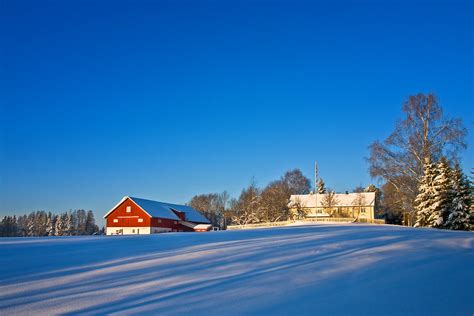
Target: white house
355,205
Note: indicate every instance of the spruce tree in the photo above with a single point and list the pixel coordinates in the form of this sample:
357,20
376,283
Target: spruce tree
49,225
31,225
321,186
68,224
458,218
442,195
91,227
59,225
471,208
424,199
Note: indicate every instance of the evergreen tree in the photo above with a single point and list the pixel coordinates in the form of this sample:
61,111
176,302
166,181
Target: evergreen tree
31,225
8,227
41,221
21,223
471,208
424,199
81,222
68,224
442,195
59,225
50,225
91,227
321,186
458,218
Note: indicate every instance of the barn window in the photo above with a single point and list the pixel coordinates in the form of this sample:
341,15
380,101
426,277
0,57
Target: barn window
175,222
129,209
140,220
115,220
362,210
133,231
159,221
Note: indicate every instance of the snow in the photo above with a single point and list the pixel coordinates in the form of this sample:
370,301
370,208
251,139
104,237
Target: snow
319,269
342,199
165,210
190,214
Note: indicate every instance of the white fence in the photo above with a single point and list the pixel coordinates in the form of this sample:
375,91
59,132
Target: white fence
320,220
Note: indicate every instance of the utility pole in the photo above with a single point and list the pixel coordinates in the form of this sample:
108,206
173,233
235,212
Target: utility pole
316,187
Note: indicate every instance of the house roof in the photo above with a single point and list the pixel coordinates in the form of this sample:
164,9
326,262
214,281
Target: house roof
341,199
164,210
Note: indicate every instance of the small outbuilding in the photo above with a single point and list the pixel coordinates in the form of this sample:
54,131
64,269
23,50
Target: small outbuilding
140,216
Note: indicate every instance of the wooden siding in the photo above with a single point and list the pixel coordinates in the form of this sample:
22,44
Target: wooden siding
125,219
128,219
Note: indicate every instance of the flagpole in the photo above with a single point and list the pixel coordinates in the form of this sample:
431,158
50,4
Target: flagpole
316,188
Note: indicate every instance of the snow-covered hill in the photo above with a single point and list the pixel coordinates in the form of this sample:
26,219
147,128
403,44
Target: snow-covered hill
320,269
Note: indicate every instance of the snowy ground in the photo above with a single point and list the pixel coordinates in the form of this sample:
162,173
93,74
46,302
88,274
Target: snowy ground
344,269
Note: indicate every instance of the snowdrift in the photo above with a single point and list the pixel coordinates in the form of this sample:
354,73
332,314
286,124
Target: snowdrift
339,269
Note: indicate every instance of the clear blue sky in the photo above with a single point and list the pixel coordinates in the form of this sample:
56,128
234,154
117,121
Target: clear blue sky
165,100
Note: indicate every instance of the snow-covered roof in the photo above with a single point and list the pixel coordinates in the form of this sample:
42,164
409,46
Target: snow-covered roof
155,208
196,226
202,227
164,210
341,199
190,214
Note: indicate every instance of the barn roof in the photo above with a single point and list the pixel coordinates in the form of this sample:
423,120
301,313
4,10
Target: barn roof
155,208
164,210
190,214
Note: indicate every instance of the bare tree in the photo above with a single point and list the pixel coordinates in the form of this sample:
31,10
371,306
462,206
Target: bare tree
296,182
213,206
358,202
329,201
423,132
274,202
245,210
358,189
300,209
275,197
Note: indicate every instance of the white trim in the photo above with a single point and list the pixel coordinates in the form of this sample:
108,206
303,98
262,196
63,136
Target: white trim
128,230
138,230
136,216
113,208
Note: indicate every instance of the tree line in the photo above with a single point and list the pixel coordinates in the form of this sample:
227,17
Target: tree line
41,223
271,203
254,204
425,143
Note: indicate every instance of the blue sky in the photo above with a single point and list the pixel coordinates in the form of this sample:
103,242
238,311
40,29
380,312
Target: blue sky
165,100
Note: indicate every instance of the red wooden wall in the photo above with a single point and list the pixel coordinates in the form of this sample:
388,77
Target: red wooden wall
131,219
128,219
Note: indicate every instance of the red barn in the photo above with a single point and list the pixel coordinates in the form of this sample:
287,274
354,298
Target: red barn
139,216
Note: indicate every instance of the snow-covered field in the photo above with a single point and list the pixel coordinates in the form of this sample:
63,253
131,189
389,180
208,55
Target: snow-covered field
345,269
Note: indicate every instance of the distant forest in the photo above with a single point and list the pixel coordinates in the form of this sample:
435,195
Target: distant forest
41,223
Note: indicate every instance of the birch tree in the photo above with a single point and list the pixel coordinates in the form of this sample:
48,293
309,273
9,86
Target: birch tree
424,132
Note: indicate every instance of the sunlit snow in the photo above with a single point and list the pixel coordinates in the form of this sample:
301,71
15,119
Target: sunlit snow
345,269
